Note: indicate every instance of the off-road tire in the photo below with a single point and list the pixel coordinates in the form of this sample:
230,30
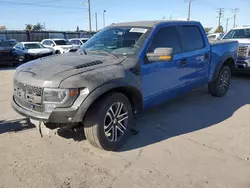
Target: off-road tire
220,86
96,118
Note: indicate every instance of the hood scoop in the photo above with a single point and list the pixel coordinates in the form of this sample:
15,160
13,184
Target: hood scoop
88,64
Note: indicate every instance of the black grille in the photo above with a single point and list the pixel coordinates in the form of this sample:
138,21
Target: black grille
243,51
88,64
28,105
21,91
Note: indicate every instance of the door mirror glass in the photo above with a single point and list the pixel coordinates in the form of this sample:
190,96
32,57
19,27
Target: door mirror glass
160,54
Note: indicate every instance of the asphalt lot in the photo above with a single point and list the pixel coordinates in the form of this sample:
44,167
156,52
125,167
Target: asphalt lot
195,141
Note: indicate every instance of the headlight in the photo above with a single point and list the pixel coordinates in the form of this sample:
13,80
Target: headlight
53,98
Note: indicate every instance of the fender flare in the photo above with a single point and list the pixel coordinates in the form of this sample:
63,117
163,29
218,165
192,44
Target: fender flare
221,63
114,85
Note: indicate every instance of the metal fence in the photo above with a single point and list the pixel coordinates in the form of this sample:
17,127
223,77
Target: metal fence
21,35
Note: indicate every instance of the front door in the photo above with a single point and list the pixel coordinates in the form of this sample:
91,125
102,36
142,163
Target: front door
160,78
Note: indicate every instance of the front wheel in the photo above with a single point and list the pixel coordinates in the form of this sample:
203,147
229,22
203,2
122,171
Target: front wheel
107,124
220,86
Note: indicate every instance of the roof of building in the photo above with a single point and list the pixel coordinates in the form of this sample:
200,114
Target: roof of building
148,23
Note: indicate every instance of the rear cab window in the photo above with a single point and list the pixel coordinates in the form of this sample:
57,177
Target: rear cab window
191,38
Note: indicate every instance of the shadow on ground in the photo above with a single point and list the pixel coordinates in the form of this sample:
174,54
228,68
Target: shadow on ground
192,112
15,125
77,135
7,67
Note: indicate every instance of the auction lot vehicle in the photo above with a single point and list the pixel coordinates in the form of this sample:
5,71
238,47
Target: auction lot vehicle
122,70
242,35
215,36
78,41
8,55
60,46
32,50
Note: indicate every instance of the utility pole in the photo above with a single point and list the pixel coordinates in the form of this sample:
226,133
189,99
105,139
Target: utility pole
90,30
104,17
96,22
227,24
189,9
220,11
235,12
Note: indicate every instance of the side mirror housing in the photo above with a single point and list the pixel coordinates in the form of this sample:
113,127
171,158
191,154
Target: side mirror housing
161,55
52,45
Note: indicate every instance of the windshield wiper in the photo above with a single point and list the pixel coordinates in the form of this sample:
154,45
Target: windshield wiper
104,52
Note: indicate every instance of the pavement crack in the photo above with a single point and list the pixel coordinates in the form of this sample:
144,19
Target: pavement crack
126,166
210,147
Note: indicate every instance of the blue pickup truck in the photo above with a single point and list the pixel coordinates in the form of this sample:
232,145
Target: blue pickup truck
122,70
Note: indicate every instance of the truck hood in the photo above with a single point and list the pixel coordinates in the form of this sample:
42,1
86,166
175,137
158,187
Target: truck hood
52,70
241,41
39,51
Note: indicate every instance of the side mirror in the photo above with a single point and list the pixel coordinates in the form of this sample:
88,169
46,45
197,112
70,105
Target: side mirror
160,55
52,45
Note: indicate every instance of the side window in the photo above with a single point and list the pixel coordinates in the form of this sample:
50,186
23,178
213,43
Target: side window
45,42
191,38
166,37
72,41
49,42
19,46
78,42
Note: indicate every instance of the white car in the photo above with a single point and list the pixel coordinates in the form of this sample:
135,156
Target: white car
59,45
78,41
215,36
32,50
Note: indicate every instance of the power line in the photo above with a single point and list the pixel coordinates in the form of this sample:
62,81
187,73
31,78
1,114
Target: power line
39,5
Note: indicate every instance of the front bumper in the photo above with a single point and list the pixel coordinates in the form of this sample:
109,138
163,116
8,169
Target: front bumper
243,65
59,115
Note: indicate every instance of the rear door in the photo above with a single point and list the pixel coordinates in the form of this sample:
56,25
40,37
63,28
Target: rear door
195,54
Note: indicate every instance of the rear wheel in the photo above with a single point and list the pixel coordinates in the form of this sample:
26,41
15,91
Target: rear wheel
107,124
220,86
58,52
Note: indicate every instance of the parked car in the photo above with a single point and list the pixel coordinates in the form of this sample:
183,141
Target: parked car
242,35
215,36
60,46
8,55
32,50
122,70
78,41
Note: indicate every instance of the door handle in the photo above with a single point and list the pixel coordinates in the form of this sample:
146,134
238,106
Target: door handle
183,62
206,56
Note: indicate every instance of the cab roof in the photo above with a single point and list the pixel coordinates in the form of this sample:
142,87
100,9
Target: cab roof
149,23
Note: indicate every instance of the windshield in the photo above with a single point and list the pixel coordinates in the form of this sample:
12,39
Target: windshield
238,34
117,41
33,46
7,43
62,42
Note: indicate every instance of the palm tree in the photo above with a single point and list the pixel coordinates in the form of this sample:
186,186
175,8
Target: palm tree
29,27
38,27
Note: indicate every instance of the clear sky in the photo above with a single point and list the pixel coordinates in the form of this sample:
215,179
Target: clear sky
16,13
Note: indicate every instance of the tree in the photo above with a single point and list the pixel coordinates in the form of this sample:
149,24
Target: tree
38,27
28,27
207,29
219,29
